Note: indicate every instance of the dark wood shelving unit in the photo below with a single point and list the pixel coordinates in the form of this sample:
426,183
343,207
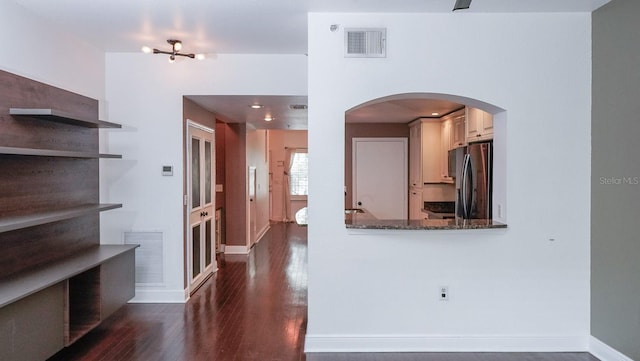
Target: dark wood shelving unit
54,271
54,115
19,222
17,287
55,153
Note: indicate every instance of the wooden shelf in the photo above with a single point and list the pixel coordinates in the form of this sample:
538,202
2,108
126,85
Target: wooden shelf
12,223
55,153
14,288
58,116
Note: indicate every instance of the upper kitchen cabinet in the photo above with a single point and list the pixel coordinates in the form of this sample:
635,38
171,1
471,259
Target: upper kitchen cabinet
415,155
424,152
479,125
458,130
446,142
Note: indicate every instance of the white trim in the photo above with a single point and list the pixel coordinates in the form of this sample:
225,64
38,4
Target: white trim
262,232
236,249
444,343
605,352
199,126
159,296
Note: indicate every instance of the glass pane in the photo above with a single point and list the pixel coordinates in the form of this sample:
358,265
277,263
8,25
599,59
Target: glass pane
207,172
195,246
208,243
195,173
299,176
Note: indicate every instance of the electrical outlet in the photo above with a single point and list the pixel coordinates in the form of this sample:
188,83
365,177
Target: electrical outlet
444,293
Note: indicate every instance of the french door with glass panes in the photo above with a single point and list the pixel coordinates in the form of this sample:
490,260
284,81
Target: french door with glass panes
201,204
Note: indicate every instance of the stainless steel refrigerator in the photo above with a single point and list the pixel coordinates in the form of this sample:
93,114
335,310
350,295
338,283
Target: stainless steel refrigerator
474,180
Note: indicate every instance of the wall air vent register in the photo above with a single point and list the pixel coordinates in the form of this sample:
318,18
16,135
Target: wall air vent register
365,43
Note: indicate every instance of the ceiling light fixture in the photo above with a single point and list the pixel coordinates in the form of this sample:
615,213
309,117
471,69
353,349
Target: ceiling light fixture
435,114
176,46
268,118
461,5
256,106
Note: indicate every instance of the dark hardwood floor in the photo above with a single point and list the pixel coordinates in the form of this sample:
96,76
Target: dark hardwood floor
253,308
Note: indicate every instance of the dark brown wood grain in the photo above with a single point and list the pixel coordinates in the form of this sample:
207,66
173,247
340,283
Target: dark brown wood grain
25,249
32,184
20,92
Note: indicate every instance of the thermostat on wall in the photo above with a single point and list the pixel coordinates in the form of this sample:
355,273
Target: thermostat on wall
167,170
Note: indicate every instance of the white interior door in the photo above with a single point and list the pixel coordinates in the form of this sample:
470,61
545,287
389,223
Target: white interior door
201,204
380,175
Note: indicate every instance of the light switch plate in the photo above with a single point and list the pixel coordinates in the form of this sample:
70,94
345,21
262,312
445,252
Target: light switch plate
219,188
167,170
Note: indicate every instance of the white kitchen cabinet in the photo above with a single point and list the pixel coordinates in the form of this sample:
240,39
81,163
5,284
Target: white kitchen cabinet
424,152
458,130
446,141
415,155
431,151
479,125
415,204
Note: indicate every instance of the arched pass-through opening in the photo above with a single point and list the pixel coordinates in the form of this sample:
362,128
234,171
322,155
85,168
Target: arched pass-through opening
441,130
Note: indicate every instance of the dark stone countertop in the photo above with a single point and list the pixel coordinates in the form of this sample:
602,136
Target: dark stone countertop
367,221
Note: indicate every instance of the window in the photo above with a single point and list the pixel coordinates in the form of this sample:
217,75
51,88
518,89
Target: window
299,174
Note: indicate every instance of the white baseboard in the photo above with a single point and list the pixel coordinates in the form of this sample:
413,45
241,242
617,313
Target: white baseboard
262,232
236,249
605,352
159,296
429,343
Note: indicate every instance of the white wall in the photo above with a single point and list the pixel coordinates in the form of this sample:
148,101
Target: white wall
509,289
144,93
39,50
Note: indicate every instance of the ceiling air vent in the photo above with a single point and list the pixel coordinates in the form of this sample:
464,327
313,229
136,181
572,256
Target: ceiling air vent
298,107
365,43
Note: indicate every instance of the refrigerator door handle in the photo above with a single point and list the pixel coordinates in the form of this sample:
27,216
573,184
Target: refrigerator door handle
465,176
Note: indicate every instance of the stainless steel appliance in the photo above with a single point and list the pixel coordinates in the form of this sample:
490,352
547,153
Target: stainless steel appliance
474,180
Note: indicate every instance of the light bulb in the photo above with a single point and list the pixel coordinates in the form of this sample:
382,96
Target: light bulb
268,118
177,46
200,56
146,49
172,59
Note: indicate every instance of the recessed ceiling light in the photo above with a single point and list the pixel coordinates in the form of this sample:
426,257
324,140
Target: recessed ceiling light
268,118
256,106
435,114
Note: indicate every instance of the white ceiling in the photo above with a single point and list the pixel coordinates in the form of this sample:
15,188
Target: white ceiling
236,109
241,27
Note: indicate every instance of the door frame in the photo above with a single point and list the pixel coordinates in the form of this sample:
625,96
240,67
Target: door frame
207,271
